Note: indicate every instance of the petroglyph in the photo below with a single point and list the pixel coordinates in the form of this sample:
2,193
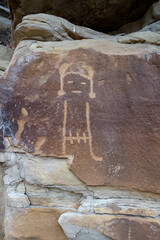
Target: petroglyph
24,112
39,143
110,122
86,72
96,158
21,122
64,128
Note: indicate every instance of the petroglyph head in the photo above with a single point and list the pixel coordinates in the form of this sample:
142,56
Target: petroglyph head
76,78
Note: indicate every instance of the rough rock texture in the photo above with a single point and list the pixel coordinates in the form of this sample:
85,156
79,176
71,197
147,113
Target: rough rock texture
71,103
45,27
151,16
79,125
34,223
2,203
5,57
141,37
102,15
5,23
154,27
103,227
41,204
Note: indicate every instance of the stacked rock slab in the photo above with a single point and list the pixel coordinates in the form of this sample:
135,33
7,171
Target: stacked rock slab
81,136
45,27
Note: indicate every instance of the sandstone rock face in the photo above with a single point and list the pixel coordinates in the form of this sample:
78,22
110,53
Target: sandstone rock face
34,223
45,27
79,124
65,100
41,205
79,226
103,15
141,37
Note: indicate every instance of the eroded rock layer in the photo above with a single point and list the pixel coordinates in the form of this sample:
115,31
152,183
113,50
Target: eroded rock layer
102,15
93,102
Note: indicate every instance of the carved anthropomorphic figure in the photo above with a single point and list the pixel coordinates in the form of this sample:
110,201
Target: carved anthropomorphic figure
76,84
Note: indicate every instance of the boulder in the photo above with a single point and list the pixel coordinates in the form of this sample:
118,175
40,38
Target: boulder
93,102
102,16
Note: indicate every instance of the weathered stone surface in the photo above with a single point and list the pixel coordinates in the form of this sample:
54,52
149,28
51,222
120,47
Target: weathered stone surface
105,192
154,27
94,101
48,172
141,37
54,190
5,57
103,15
151,16
50,197
121,206
5,23
33,223
103,227
2,203
45,27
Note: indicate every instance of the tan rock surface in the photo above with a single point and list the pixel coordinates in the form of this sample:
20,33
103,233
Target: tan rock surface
121,206
34,223
117,110
79,122
48,171
53,197
80,226
45,27
21,221
141,37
